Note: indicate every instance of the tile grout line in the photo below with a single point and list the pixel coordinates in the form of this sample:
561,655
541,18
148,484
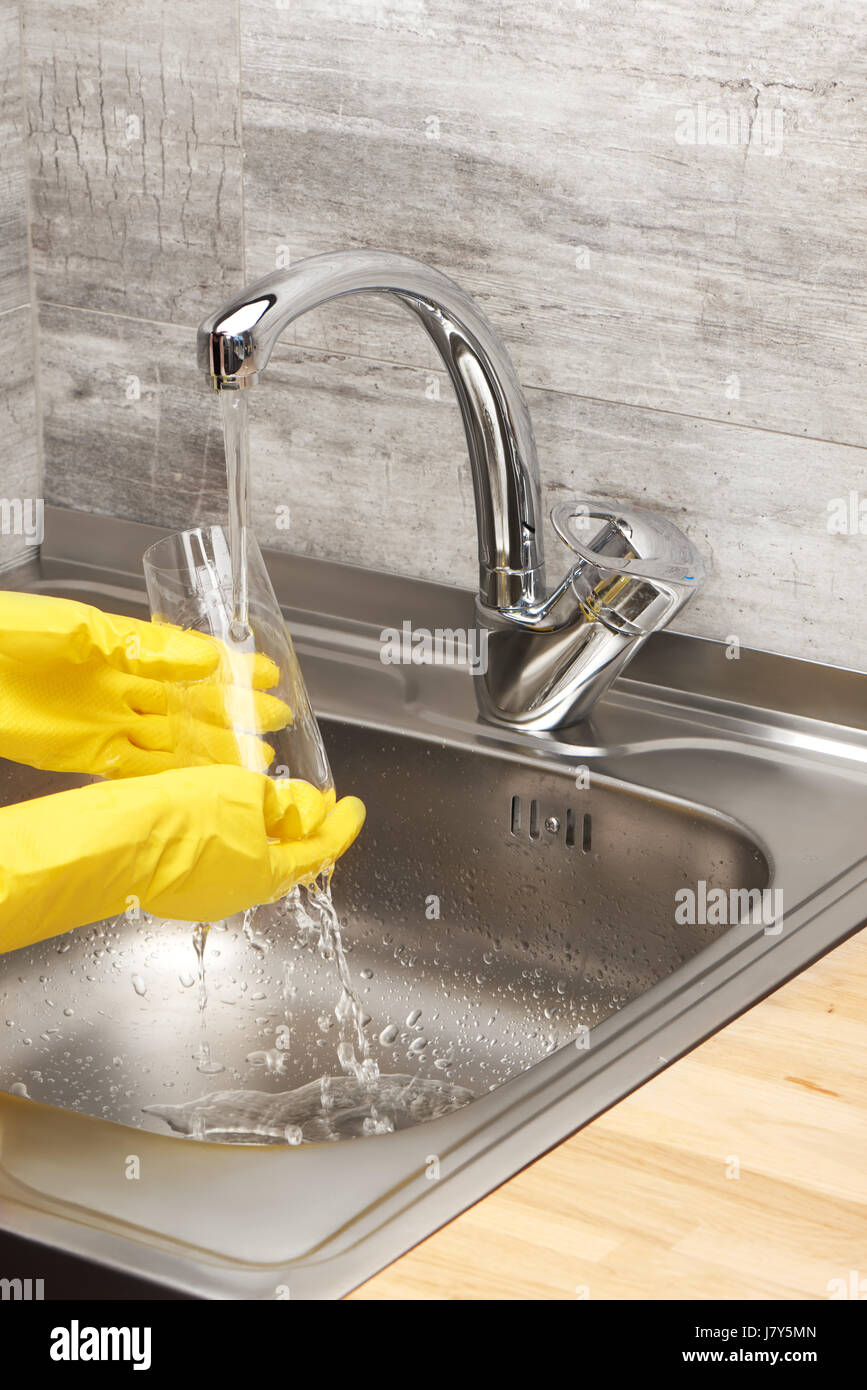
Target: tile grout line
527,386
31,273
241,145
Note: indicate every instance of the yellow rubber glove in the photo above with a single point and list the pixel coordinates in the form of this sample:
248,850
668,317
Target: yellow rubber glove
93,692
194,843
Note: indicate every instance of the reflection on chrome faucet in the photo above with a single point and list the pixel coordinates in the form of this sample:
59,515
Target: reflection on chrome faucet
551,652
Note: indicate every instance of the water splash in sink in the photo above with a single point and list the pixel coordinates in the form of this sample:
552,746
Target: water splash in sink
532,945
336,1107
359,1103
321,923
349,1012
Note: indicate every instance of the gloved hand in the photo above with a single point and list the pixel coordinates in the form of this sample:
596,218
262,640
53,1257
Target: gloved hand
93,692
192,843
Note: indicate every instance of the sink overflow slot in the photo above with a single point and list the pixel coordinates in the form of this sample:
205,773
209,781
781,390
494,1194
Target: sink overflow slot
552,824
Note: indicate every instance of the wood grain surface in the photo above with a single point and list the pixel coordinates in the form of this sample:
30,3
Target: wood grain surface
644,1202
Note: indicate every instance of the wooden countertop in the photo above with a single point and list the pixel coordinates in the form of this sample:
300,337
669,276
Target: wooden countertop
642,1203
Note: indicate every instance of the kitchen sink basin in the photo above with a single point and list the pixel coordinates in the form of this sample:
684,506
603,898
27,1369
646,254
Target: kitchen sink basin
518,925
536,936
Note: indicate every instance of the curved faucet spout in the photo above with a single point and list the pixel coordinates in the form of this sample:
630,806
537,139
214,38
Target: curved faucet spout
550,654
235,343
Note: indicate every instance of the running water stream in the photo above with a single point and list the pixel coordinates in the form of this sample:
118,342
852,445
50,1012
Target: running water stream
236,442
362,1101
353,1050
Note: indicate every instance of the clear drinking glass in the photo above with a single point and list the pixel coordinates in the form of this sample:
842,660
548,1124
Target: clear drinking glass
189,584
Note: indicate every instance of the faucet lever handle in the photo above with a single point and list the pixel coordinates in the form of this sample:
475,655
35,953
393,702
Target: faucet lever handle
636,568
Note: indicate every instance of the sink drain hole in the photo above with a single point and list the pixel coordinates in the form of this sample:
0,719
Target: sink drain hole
534,820
570,828
586,833
516,815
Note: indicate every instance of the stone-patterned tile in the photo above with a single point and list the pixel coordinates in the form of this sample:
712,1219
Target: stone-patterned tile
14,288
130,428
20,486
661,298
369,466
135,158
758,506
343,462
662,209
365,462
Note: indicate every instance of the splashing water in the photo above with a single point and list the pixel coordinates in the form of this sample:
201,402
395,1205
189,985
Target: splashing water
316,920
204,1062
360,1102
353,1050
321,1112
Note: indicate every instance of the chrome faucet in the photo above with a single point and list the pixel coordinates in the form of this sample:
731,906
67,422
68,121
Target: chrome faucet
550,653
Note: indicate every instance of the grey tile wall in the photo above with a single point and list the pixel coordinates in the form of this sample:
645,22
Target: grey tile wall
126,429
135,154
663,212
20,486
14,289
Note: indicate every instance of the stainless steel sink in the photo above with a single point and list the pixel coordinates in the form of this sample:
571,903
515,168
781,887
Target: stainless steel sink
535,940
510,919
